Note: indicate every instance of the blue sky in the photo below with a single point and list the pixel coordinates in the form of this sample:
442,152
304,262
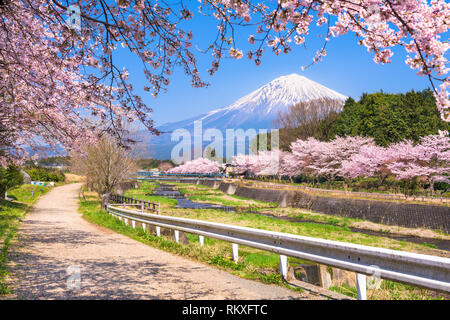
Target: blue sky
348,68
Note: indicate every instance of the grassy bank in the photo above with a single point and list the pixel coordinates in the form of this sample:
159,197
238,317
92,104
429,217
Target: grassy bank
11,212
255,264
337,193
200,193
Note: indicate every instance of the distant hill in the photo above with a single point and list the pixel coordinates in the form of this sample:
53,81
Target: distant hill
256,110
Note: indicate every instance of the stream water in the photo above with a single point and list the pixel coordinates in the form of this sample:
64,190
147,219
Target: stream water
167,190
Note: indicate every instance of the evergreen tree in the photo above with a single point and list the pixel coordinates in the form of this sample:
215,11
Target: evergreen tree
389,118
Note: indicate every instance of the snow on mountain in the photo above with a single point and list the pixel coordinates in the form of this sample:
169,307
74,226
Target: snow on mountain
256,110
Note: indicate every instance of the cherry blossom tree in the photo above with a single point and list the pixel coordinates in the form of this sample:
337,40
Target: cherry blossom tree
60,83
430,159
329,156
264,163
380,25
303,158
353,157
199,165
370,161
242,163
315,158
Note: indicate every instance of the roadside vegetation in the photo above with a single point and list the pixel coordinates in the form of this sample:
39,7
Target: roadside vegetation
255,264
201,193
105,164
11,213
38,173
74,178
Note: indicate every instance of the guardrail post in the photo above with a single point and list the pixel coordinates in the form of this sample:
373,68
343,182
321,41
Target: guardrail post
361,283
159,208
143,226
283,266
133,224
235,249
125,220
158,229
201,240
177,235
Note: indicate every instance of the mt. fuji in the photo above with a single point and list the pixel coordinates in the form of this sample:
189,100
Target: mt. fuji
256,110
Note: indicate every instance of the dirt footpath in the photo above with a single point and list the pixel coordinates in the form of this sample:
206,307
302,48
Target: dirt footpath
54,243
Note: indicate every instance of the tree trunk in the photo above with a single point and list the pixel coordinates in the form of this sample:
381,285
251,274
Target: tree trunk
431,186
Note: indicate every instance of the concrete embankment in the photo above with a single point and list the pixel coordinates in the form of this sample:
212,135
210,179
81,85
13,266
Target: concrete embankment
409,215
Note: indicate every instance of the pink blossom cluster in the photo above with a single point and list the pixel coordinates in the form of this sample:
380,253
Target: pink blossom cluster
319,158
262,163
199,165
430,158
352,157
416,25
60,85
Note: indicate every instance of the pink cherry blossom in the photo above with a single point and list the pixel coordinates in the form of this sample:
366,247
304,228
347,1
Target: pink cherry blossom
199,165
62,86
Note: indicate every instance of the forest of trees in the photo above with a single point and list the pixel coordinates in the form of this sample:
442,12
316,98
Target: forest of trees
387,118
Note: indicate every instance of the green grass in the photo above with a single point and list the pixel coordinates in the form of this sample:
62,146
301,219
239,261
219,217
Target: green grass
263,260
202,193
256,264
429,245
23,193
321,225
265,264
390,290
11,212
345,289
243,205
146,188
311,229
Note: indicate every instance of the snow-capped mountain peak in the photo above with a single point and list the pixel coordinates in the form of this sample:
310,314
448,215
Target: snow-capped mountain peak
281,93
256,110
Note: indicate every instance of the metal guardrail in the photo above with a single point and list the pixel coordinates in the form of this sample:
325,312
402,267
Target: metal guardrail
415,269
128,201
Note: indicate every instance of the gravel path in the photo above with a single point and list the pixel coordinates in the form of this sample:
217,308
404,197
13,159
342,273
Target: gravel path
54,240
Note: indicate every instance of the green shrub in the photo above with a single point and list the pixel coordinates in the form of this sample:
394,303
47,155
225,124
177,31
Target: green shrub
9,177
45,174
